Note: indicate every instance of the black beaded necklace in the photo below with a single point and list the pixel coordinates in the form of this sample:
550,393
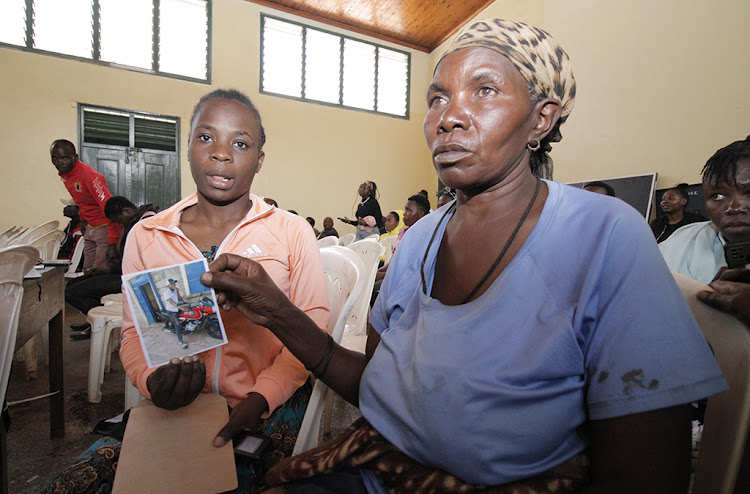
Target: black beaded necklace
499,258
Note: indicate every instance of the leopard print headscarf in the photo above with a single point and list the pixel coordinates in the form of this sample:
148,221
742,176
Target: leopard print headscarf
536,54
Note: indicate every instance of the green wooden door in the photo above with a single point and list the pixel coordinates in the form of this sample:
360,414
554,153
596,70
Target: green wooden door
137,153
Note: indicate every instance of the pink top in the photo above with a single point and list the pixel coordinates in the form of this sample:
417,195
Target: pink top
253,360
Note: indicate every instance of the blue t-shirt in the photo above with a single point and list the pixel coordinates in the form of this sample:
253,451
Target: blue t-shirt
586,322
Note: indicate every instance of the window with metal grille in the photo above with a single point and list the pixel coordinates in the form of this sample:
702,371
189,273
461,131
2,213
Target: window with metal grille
113,127
309,64
165,37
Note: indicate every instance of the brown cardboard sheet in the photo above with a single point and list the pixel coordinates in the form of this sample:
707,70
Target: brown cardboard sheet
172,451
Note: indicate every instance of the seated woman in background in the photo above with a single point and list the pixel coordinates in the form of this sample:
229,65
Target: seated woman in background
697,250
265,386
394,222
673,204
368,206
515,346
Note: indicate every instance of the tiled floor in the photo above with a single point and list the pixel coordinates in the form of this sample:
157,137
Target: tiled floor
34,459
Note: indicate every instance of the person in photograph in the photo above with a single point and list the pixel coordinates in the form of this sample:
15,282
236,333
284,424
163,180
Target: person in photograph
173,306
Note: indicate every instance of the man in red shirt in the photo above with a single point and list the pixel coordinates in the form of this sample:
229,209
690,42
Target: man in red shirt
89,190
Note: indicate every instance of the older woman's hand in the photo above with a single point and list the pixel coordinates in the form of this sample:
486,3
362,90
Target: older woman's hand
243,284
245,415
177,383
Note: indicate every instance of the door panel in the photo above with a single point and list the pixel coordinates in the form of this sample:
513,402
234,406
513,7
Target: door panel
143,176
110,161
160,178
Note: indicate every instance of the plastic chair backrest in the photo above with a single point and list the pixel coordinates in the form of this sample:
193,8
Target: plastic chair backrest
15,262
75,260
33,233
49,244
342,269
390,246
369,251
727,414
344,274
328,241
14,236
347,239
9,233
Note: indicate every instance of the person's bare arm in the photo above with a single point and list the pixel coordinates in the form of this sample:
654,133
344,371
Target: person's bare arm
647,453
244,285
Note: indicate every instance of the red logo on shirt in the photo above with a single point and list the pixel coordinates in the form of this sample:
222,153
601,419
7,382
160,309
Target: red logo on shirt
77,186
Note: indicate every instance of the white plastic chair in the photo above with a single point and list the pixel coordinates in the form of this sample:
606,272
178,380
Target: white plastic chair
111,298
48,244
727,418
14,236
390,244
35,232
374,236
9,233
103,320
347,239
369,251
15,262
132,395
328,241
344,283
75,260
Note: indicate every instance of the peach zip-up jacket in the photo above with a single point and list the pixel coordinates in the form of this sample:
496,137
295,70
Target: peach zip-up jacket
253,360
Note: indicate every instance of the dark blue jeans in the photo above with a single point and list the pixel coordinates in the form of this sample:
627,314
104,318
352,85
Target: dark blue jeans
174,318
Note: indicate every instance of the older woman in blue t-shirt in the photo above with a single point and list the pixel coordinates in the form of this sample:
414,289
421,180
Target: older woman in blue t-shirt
527,334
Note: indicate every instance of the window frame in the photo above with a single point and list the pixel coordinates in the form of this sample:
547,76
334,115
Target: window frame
95,44
377,46
131,114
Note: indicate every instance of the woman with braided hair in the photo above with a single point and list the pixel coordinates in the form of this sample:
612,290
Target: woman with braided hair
528,336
